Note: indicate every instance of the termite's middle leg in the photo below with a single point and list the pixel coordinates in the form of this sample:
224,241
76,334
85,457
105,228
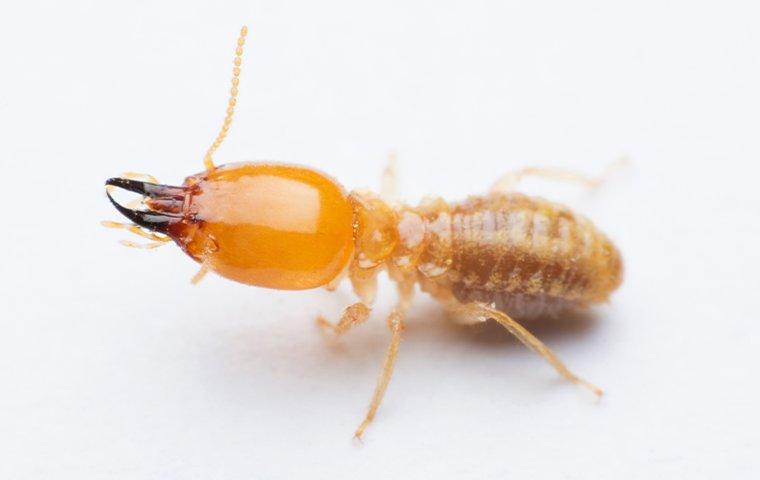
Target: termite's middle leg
478,311
396,325
354,315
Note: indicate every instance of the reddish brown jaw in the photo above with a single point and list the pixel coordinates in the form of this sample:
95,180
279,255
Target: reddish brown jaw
167,199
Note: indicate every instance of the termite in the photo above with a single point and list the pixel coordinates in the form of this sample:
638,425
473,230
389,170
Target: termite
501,256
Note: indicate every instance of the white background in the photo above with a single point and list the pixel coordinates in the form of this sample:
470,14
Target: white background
113,366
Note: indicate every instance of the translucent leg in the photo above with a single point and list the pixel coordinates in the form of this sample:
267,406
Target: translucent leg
510,181
353,315
480,311
396,324
405,286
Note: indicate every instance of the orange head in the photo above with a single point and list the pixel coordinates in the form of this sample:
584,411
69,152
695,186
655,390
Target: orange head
269,225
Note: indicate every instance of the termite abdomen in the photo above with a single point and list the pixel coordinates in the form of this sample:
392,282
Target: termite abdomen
529,256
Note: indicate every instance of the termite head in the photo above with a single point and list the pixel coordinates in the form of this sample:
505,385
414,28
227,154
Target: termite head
269,225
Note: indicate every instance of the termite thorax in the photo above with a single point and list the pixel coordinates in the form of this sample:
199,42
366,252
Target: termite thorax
407,237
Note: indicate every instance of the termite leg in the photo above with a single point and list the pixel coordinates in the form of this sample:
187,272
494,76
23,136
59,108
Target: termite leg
353,315
481,311
396,325
389,183
509,182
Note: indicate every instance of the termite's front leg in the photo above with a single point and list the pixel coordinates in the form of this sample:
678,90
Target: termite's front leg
353,315
364,282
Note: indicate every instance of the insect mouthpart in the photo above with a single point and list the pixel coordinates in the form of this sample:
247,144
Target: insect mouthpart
165,203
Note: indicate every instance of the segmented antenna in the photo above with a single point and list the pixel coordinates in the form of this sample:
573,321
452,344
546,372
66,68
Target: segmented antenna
208,160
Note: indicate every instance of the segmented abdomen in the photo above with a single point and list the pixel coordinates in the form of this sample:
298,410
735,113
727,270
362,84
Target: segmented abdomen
529,256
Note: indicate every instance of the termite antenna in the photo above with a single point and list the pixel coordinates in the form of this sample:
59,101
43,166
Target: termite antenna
208,160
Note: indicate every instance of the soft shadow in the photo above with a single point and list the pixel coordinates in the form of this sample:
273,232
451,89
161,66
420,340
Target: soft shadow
491,334
295,356
252,347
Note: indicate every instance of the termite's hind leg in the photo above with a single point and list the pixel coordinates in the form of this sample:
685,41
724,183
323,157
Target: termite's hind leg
481,311
509,182
353,315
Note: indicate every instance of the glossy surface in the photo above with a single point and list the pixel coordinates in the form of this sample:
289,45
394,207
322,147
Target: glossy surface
269,225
